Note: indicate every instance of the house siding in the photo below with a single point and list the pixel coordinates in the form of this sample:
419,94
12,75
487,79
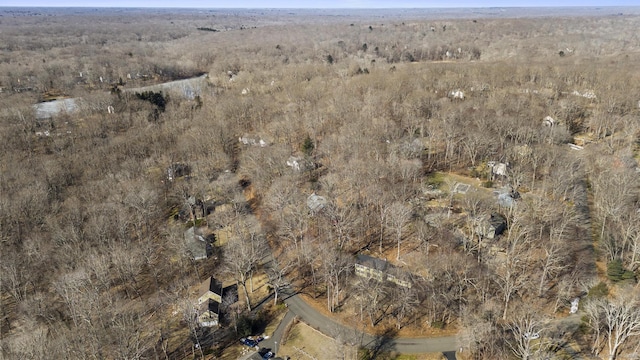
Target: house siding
379,274
209,296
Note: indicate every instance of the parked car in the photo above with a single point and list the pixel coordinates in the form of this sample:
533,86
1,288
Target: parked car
249,342
267,355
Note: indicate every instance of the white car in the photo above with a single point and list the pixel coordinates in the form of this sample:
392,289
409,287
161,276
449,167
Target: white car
531,336
574,306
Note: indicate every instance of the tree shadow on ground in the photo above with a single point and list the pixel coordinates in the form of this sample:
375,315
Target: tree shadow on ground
450,355
382,344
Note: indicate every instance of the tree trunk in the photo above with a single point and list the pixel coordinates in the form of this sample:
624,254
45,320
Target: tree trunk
381,227
275,295
506,306
336,294
246,294
542,280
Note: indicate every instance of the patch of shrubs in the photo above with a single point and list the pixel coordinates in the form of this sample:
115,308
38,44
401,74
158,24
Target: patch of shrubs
600,290
616,272
156,98
207,29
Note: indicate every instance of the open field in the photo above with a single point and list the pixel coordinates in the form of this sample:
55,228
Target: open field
304,342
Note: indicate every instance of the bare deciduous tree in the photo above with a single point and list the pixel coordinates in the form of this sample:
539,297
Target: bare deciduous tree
556,249
295,222
190,316
476,206
374,296
614,321
276,271
406,301
343,222
243,253
335,267
512,275
479,335
399,216
525,329
614,193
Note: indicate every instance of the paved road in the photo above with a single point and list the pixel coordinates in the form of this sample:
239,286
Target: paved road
272,343
189,88
329,327
298,307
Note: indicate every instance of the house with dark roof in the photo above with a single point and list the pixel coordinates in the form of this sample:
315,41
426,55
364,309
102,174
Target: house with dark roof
491,226
380,270
210,289
211,294
209,313
209,302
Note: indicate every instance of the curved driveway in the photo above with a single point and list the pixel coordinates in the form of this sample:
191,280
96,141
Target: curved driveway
297,306
328,326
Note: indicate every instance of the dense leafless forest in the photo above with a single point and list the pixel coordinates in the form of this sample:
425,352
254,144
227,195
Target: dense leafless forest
489,157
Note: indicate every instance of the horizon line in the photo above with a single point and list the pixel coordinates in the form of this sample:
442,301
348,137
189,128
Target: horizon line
320,8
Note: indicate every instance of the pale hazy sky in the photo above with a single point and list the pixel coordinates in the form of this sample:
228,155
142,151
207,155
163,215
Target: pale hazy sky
317,3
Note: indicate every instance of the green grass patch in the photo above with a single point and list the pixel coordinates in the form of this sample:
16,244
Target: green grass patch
197,223
435,179
438,324
600,290
406,357
616,272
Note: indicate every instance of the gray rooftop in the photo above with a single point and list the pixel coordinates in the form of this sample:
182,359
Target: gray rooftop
196,245
316,202
45,110
372,262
